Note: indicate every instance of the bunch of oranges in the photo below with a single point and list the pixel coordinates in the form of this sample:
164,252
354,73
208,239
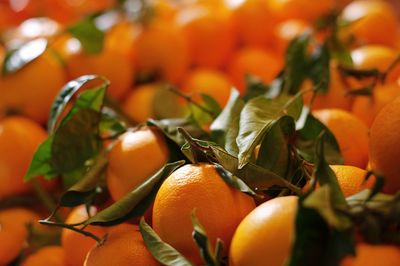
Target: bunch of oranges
191,158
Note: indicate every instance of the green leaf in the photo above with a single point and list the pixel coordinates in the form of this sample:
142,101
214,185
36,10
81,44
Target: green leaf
16,59
41,162
165,104
136,202
225,127
254,88
234,181
319,68
88,34
160,250
211,104
199,234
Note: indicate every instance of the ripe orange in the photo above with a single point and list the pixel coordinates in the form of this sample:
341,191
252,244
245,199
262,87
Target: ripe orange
366,108
32,89
219,208
49,256
19,139
123,246
300,9
384,145
120,38
372,255
13,232
260,63
210,34
372,21
350,132
76,245
112,65
351,179
208,81
287,30
265,235
161,50
135,157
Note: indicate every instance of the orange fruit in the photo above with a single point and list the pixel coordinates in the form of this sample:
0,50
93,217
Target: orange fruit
372,22
49,256
134,158
110,64
377,57
162,50
19,139
367,107
123,246
260,63
350,132
30,90
76,245
287,30
208,81
334,97
384,145
254,22
210,34
120,38
219,208
265,235
300,9
372,255
351,179
138,104
13,232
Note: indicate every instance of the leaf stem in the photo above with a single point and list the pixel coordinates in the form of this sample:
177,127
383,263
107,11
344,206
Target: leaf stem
45,198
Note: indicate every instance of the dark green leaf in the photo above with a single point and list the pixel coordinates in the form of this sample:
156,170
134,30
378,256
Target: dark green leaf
88,34
211,104
319,68
254,88
234,181
165,104
160,250
16,59
41,162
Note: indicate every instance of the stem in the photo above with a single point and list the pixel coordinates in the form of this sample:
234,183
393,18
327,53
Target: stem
190,100
45,198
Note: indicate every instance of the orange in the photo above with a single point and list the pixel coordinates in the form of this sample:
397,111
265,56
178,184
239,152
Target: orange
219,208
134,158
76,245
384,145
287,30
123,246
120,38
138,104
351,179
208,81
260,63
210,34
161,50
372,255
367,107
372,22
49,256
19,139
377,57
110,64
265,235
350,132
334,97
254,22
13,232
301,9
32,89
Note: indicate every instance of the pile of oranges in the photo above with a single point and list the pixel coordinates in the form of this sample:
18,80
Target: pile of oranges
199,132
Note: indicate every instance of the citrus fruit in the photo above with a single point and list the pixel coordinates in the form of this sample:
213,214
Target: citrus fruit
351,179
49,256
371,255
287,30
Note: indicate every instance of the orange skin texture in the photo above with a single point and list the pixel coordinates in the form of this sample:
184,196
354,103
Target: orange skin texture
384,145
112,65
335,97
49,255
161,49
138,104
373,22
120,38
372,255
19,139
210,33
377,57
32,89
254,22
219,208
350,132
257,62
134,158
367,108
351,179
300,9
265,235
208,81
124,246
13,232
77,245
287,30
